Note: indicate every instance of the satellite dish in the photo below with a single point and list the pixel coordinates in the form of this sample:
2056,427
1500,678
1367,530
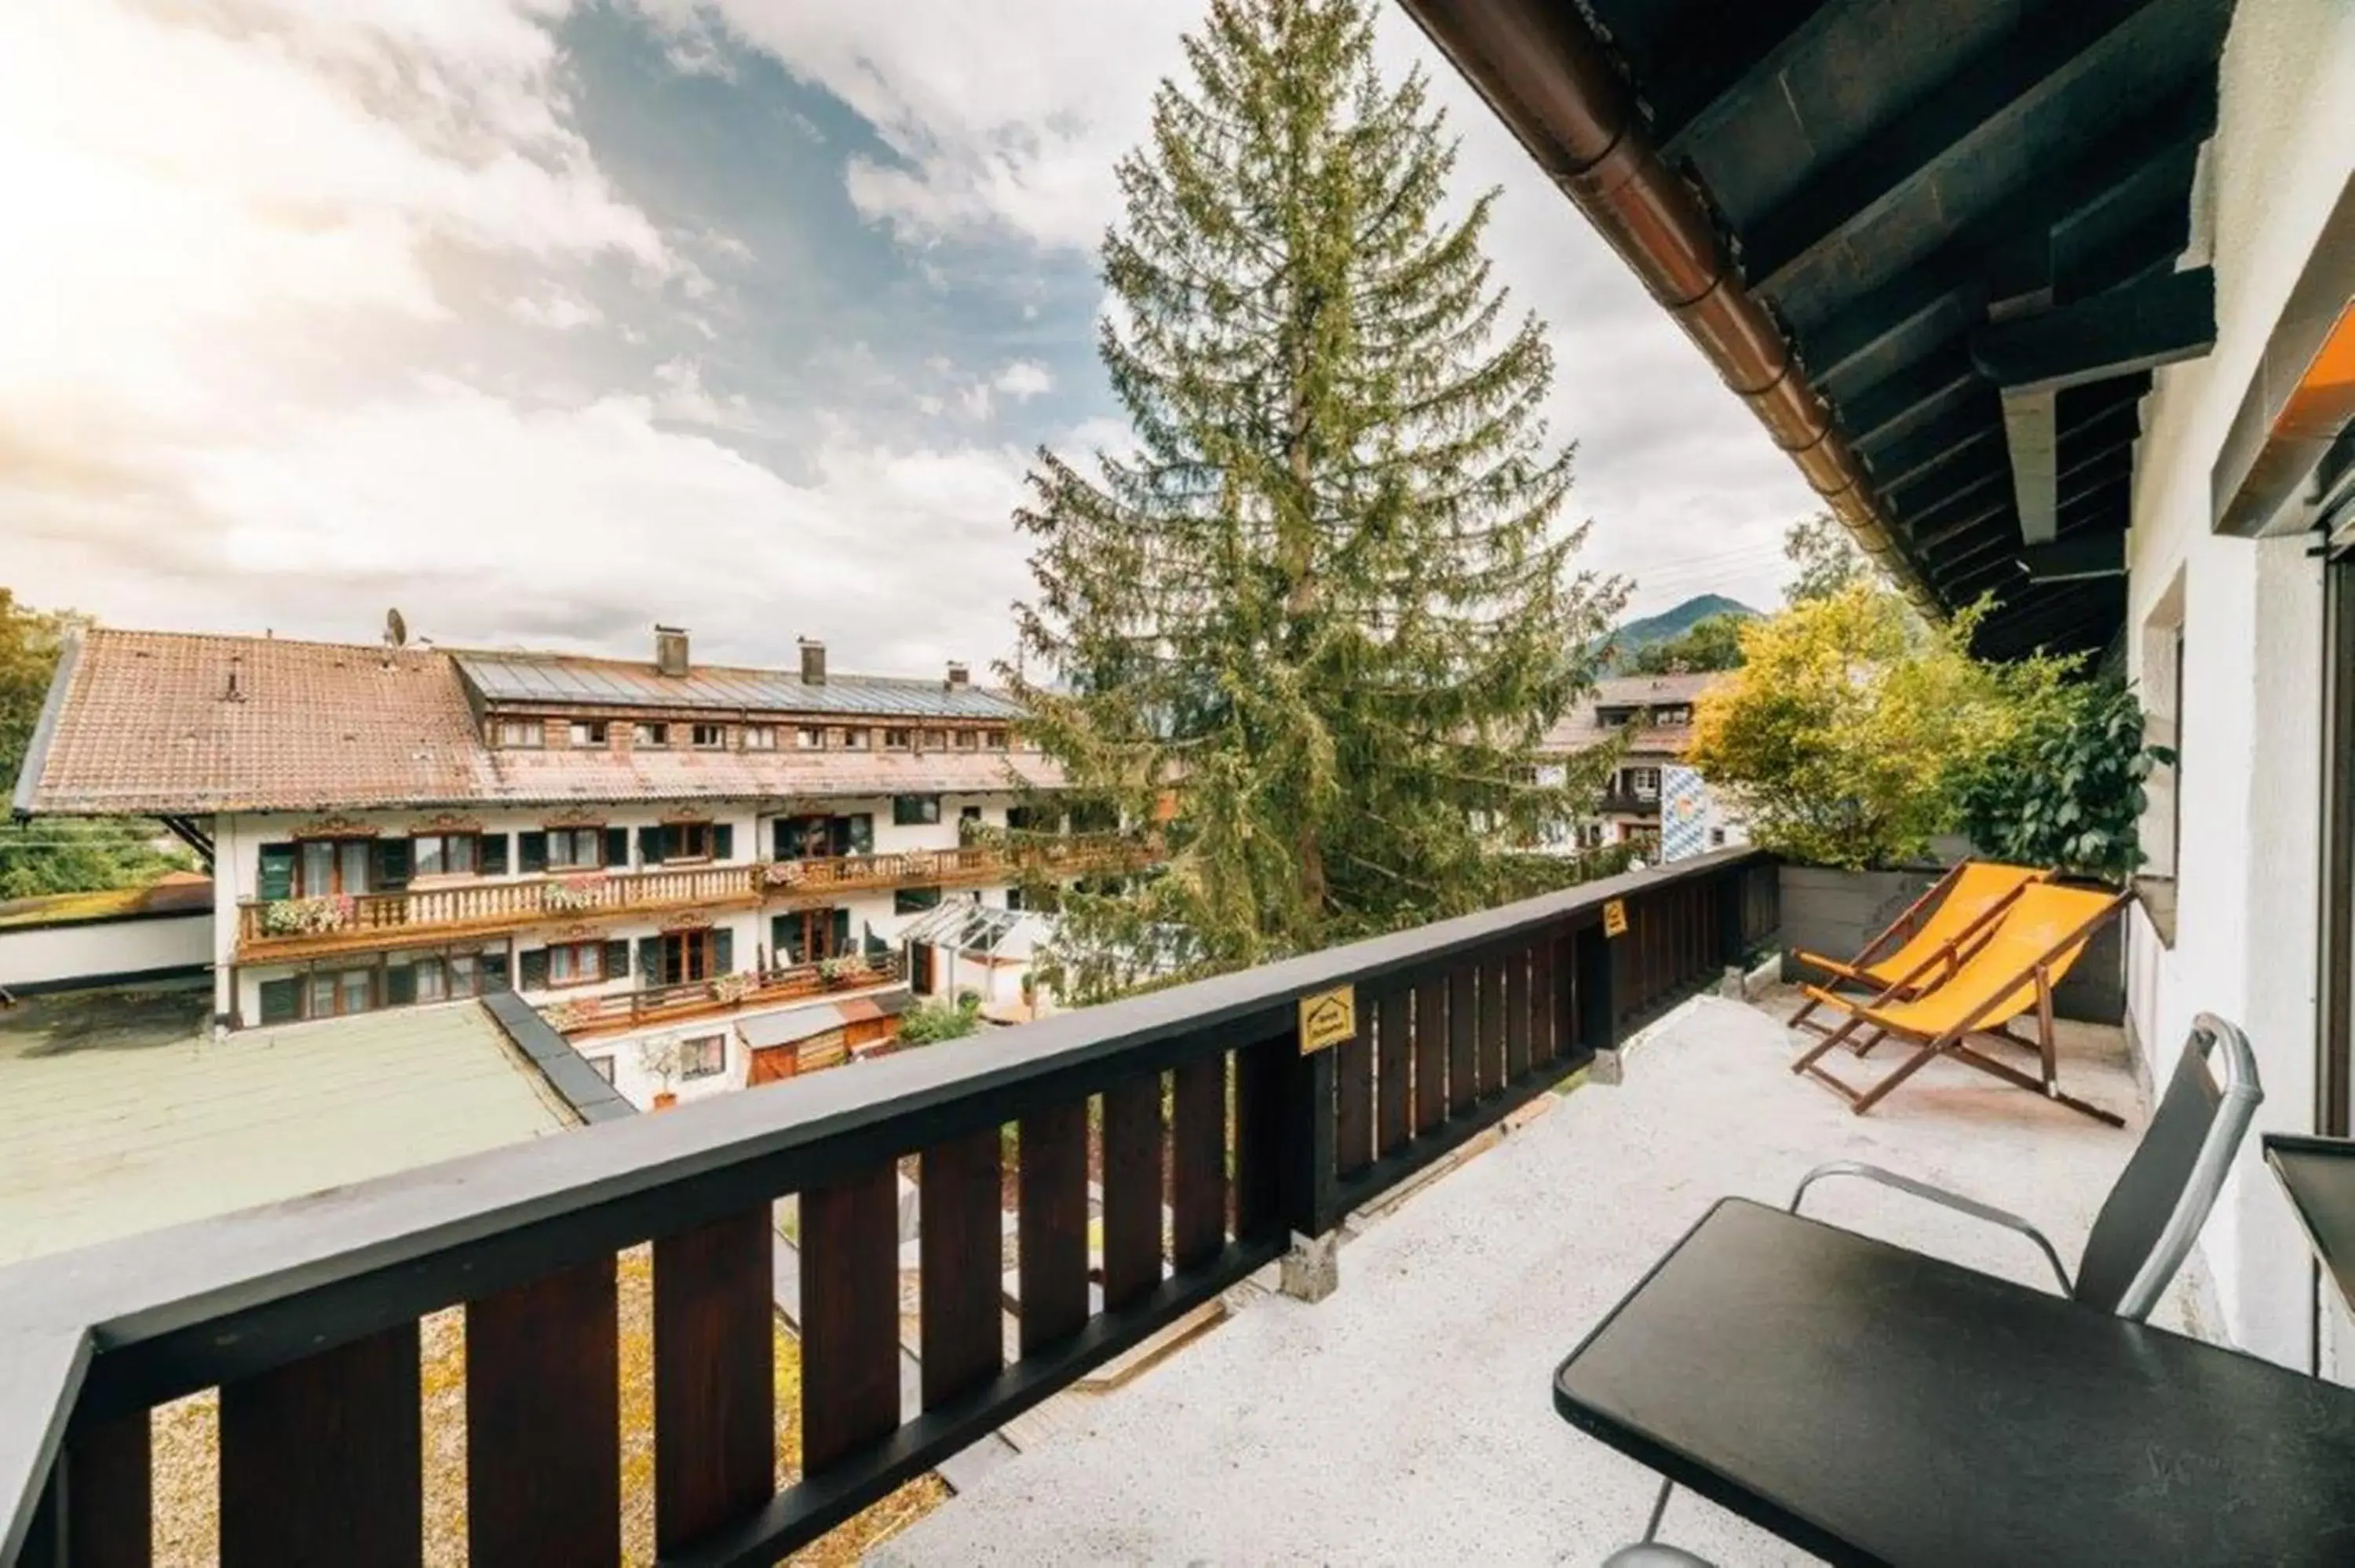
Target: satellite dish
396,630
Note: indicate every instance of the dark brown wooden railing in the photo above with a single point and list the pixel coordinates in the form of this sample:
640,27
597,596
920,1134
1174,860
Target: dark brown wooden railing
656,1004
305,1315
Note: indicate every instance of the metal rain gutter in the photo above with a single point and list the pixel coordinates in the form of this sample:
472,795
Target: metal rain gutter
1547,78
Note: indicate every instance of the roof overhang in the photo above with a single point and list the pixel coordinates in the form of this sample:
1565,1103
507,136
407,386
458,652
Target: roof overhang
1937,247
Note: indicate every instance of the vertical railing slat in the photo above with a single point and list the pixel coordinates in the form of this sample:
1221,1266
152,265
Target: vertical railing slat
1053,1201
110,1497
1430,1053
1489,1065
715,1372
1463,1042
543,1420
1517,1015
1393,1076
1261,1073
959,1191
1198,1158
1353,1085
850,1315
1544,1046
1132,1189
320,1461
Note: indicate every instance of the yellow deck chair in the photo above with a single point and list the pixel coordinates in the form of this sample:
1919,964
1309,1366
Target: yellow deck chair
2018,958
1928,940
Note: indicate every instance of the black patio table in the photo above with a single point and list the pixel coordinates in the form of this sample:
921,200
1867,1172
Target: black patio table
1873,1405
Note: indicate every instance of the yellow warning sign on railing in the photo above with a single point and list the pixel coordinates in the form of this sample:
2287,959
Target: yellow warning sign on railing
1614,917
1329,1018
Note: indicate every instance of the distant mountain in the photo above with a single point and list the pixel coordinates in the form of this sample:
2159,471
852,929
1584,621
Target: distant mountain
1670,624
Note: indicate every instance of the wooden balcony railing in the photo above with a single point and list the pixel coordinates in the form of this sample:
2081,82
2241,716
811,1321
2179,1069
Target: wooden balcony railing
305,1315
302,928
662,1003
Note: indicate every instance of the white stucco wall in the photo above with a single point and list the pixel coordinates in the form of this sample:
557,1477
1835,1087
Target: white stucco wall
2244,941
42,956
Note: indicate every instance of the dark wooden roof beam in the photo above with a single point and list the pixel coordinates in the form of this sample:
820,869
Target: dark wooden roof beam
1700,77
1899,403
1954,276
1979,103
2157,321
2102,554
1934,444
1961,502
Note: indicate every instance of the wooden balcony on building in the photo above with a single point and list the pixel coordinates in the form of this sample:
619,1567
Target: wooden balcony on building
312,927
592,1016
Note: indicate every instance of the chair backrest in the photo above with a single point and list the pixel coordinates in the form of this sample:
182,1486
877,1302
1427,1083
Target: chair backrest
1997,982
2153,1215
1979,886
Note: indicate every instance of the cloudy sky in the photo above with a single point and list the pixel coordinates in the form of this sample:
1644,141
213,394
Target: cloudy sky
544,320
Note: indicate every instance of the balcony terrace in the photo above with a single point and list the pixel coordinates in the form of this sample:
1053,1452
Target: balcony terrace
306,1315
271,932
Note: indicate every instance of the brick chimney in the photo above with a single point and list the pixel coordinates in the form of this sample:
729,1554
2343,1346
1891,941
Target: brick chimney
959,677
813,661
670,650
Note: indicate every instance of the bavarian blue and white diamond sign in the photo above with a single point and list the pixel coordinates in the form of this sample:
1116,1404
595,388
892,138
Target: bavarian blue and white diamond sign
1684,813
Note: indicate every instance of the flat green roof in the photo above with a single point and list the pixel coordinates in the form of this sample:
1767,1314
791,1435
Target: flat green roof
124,1115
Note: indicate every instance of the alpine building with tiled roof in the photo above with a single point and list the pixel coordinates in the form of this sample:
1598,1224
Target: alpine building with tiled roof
647,850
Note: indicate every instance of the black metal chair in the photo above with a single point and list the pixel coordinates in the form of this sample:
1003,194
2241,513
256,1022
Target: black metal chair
2147,1225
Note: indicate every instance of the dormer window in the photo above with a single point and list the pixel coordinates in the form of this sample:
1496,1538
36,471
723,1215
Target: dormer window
709,736
809,738
898,739
854,740
650,735
588,732
1677,716
759,737
522,734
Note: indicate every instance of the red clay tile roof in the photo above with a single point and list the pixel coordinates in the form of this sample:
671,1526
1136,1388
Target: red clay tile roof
144,722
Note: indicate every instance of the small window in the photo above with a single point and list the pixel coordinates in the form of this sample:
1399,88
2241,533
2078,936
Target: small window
968,740
1644,781
1678,715
969,814
522,732
936,740
854,740
575,963
651,734
915,900
575,849
708,737
809,738
1717,838
689,841
601,1065
759,737
443,854
588,732
915,811
897,739
704,1056
995,739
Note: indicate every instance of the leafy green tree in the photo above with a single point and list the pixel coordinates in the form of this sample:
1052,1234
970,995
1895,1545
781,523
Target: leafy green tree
1841,735
1826,555
938,1021
1713,643
1326,597
55,854
2066,791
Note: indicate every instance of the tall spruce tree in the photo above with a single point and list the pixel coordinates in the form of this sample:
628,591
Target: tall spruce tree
1317,622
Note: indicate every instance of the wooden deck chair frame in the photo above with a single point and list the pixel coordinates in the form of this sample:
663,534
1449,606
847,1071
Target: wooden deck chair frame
1900,931
1955,1041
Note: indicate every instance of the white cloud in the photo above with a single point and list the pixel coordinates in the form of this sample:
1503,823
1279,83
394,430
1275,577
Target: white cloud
558,310
1023,381
682,398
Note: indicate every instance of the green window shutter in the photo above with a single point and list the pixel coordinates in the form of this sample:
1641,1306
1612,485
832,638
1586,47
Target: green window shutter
616,960
391,862
785,839
617,847
650,960
277,877
495,971
281,999
531,853
533,962
723,951
723,840
650,845
400,984
862,833
842,930
491,854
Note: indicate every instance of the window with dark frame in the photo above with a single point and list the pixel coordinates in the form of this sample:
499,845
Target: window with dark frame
915,900
995,739
759,737
650,734
936,740
968,740
915,811
327,868
703,1057
708,737
687,841
522,734
444,854
575,963
576,849
589,732
689,956
809,738
897,739
854,740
